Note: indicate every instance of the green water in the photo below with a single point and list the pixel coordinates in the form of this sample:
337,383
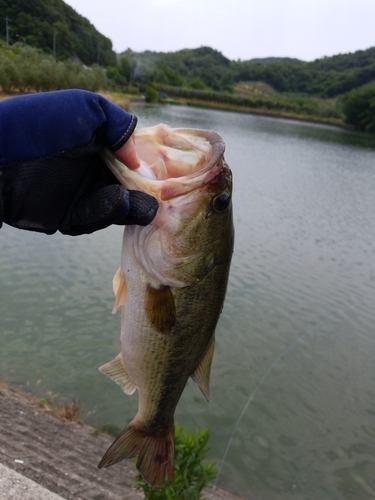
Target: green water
293,378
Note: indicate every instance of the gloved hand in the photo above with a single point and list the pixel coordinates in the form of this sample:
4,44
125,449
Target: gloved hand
52,176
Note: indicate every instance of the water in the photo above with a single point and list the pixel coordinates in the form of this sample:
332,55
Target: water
297,334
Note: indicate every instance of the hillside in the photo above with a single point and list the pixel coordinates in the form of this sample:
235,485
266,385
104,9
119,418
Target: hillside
326,77
38,22
205,68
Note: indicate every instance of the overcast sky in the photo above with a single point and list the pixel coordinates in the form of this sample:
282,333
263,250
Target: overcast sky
240,29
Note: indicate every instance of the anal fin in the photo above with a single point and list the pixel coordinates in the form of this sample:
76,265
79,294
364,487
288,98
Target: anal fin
201,375
116,370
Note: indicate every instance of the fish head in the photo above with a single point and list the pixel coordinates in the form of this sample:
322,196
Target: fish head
201,233
193,230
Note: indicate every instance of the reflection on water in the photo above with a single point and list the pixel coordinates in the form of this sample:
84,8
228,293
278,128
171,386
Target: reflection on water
297,331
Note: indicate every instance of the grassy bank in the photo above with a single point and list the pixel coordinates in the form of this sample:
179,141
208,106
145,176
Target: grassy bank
259,99
257,111
125,100
122,100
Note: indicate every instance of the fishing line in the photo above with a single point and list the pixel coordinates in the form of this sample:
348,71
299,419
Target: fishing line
252,395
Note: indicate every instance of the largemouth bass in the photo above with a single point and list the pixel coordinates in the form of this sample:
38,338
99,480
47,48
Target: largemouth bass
171,286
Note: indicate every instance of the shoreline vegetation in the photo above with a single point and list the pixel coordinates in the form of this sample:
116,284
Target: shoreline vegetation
257,111
125,101
25,69
255,98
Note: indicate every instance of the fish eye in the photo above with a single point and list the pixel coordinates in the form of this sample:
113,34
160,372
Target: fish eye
221,202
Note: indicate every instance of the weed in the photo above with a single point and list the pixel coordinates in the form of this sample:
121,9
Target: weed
191,473
110,429
67,411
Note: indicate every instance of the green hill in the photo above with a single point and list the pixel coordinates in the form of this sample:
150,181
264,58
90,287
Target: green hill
205,68
38,22
326,77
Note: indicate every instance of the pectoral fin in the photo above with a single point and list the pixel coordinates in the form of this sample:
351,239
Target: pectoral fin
116,370
201,375
160,308
119,289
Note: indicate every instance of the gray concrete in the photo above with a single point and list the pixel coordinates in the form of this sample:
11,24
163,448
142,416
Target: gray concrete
14,486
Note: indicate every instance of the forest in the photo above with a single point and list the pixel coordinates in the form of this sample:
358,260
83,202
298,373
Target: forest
45,44
206,68
56,28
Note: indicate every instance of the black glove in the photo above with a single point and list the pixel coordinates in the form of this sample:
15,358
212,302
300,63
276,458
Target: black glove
55,178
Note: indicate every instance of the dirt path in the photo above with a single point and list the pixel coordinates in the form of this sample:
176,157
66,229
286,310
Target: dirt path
62,456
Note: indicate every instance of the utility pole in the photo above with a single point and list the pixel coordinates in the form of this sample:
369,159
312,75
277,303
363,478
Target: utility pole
7,21
54,43
98,54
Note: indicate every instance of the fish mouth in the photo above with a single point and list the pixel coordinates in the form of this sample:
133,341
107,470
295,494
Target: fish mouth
174,161
217,148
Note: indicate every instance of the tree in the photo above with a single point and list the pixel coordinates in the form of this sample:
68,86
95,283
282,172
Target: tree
359,107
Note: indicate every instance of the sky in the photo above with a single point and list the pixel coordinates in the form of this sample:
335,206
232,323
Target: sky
240,29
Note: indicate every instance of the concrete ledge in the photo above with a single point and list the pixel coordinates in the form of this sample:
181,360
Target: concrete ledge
14,486
44,457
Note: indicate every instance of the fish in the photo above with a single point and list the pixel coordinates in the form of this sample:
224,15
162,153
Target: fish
171,286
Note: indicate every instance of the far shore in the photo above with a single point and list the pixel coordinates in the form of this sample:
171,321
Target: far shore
125,101
257,111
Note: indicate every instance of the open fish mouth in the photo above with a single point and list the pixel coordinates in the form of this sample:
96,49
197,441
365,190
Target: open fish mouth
172,161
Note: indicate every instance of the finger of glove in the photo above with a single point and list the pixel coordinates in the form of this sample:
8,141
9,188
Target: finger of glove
143,208
109,205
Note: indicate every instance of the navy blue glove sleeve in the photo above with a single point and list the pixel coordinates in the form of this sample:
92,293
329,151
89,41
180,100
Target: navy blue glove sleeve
51,174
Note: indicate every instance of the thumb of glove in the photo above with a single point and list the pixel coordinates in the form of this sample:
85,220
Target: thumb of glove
108,205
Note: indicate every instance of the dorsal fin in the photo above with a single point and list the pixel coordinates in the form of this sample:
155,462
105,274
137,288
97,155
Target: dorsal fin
201,375
116,370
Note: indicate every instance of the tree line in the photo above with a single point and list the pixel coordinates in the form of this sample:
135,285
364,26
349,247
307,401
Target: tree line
205,68
27,69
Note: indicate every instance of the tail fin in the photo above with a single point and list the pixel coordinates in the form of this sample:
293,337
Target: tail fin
155,453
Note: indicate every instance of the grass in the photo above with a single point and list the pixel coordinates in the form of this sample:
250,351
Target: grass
69,412
253,88
259,98
322,110
192,472
110,429
122,100
256,111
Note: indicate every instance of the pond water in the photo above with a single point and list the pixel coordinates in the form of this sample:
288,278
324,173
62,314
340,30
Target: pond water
292,410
